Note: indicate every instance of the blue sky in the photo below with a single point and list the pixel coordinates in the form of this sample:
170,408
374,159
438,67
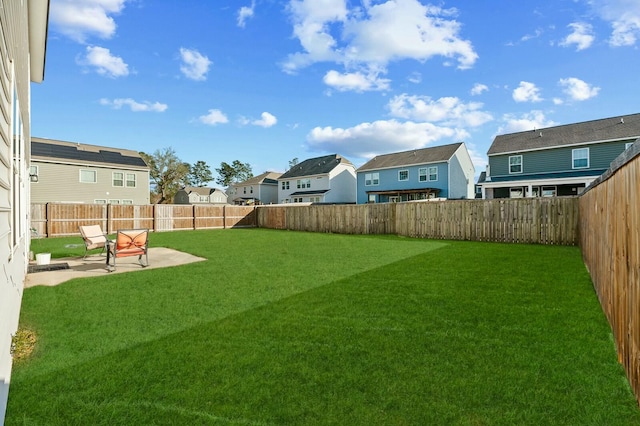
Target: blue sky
266,81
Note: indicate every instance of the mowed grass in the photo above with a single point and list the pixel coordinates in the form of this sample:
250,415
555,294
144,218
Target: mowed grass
281,327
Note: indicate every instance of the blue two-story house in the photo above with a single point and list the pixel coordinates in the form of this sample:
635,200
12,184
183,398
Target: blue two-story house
444,171
556,161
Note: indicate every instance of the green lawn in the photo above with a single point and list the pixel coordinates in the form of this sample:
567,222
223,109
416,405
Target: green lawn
282,327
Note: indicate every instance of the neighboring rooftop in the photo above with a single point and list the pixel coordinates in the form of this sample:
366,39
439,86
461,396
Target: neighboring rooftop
83,153
435,154
315,166
201,190
607,129
266,177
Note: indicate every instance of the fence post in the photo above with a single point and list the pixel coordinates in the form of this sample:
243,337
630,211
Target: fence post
155,218
47,218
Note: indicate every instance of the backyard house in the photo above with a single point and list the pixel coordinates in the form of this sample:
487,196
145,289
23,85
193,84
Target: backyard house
326,179
261,189
200,195
23,39
444,171
478,186
555,161
70,172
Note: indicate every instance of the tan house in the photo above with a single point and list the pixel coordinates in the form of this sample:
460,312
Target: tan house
261,189
200,195
69,172
23,40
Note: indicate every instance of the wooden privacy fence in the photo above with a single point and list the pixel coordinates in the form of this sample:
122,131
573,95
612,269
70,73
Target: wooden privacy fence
610,241
56,220
526,220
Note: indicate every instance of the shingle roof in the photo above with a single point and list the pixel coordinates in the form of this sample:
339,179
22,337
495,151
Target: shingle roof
315,166
90,154
614,128
266,177
200,190
433,154
482,178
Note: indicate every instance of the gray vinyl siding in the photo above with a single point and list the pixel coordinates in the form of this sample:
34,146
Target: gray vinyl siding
557,159
458,181
61,183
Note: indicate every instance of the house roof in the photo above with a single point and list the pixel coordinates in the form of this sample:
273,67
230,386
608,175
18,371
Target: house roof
266,177
435,154
315,166
606,129
83,153
200,190
482,177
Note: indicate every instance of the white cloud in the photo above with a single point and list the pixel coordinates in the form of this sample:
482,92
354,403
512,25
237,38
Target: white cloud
578,90
266,120
369,139
415,77
78,19
195,66
582,36
134,105
450,111
355,81
104,62
478,89
526,92
529,121
245,13
372,35
214,117
624,16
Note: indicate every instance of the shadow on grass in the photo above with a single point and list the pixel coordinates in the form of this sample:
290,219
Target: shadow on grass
430,339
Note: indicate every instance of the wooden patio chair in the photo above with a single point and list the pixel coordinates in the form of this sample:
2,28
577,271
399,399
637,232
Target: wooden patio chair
93,238
130,242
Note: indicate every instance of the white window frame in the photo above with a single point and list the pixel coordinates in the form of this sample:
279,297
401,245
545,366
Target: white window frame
628,145
127,202
372,179
515,164
575,158
432,171
114,201
114,179
94,172
401,172
422,174
303,183
100,201
130,178
285,185
34,168
372,198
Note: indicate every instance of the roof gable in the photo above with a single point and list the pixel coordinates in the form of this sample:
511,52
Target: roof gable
606,129
435,154
82,153
315,166
266,177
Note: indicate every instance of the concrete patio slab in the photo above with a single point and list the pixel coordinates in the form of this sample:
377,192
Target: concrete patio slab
93,266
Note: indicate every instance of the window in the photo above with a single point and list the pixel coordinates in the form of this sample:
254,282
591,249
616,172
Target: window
422,175
628,145
303,183
88,176
478,190
403,175
580,158
127,202
251,190
131,180
516,192
114,201
548,191
314,199
372,198
297,199
515,164
433,173
118,179
244,189
285,185
33,174
371,179
100,201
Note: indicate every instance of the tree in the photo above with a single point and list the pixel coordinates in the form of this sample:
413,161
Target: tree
293,162
200,174
233,173
167,172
